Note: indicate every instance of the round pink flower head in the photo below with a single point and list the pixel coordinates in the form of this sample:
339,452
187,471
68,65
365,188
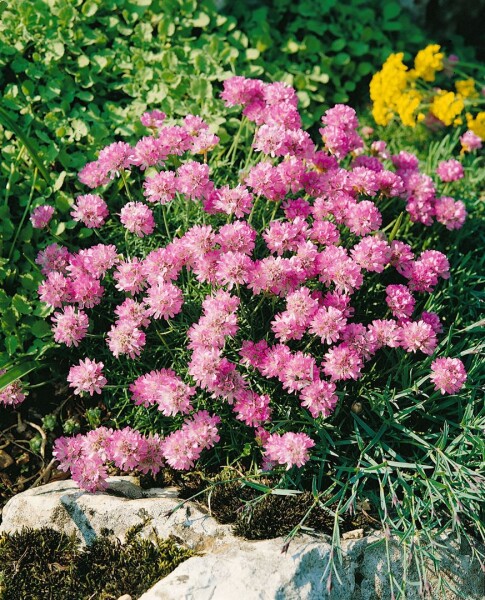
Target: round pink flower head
153,119
450,170
451,213
91,210
290,448
41,216
470,141
87,377
448,375
137,218
12,394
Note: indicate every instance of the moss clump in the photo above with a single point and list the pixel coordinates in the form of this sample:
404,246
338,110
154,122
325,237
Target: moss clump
45,564
274,516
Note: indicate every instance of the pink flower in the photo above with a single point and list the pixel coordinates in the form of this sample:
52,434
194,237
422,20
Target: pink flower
164,300
179,451
165,389
148,152
470,141
328,323
251,408
133,311
290,449
90,473
204,142
253,354
137,218
384,332
150,455
91,209
266,181
342,362
87,377
124,448
298,371
98,259
320,398
400,301
363,218
86,291
125,338
238,236
70,326
55,290
233,269
418,335
93,174
236,201
130,276
161,187
41,216
433,320
153,119
339,133
12,394
451,213
53,258
371,254
193,180
113,159
448,375
68,451
450,170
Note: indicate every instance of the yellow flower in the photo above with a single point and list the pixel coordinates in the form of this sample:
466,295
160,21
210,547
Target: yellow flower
477,124
386,86
466,88
407,104
427,62
446,106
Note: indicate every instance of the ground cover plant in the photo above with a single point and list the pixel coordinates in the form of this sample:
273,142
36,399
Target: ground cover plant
387,445
76,73
264,309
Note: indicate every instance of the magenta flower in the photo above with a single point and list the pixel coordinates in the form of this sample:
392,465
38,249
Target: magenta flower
87,377
450,170
137,218
448,375
91,210
12,394
70,326
41,216
290,449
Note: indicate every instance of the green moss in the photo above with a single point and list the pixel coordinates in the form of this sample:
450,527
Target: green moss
43,563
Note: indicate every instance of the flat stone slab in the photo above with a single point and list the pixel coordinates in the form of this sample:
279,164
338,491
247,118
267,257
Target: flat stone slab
229,568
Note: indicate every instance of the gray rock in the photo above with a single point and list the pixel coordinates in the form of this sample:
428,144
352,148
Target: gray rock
229,568
63,506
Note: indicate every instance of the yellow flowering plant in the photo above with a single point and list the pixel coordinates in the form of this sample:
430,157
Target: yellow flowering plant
423,94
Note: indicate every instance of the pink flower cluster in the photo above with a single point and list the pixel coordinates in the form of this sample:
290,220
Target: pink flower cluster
307,261
41,216
12,394
422,203
448,375
88,456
